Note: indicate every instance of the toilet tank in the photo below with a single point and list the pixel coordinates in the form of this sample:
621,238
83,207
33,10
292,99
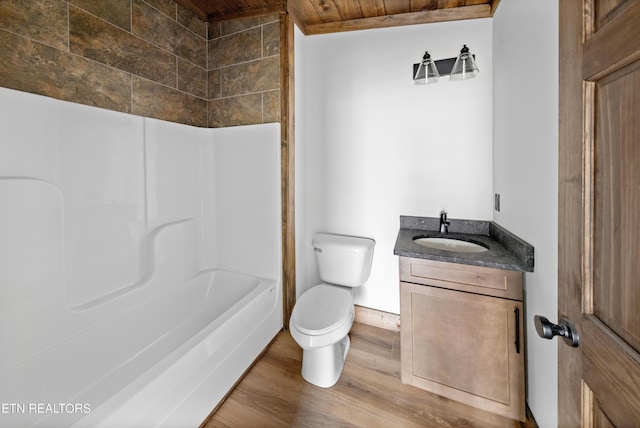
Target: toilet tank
343,260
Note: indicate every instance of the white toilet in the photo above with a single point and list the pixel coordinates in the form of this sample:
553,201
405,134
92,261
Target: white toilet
323,315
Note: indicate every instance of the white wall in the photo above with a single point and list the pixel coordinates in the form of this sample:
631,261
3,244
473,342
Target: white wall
526,169
305,212
374,146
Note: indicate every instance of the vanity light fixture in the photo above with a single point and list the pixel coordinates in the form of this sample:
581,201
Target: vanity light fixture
465,66
427,71
461,67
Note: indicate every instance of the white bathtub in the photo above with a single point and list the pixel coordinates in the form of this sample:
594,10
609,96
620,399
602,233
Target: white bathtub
166,361
112,312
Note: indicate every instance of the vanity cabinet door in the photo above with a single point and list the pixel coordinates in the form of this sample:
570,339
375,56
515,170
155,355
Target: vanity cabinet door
464,346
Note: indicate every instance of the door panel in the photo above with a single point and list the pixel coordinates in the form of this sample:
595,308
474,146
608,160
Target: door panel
610,371
600,418
607,10
616,231
599,212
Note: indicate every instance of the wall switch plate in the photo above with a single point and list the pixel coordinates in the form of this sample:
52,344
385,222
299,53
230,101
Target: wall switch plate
496,201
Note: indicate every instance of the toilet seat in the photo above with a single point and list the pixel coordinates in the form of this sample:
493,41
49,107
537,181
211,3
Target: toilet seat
322,309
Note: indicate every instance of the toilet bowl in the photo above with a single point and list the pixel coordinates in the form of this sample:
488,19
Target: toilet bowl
322,317
320,324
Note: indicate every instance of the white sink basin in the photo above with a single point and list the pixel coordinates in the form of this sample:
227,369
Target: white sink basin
448,244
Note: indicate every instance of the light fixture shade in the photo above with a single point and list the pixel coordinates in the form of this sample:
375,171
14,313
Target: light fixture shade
465,66
427,71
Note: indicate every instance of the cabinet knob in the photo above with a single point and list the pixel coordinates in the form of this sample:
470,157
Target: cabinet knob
565,328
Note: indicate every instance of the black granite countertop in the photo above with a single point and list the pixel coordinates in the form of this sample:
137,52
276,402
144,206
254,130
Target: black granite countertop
505,250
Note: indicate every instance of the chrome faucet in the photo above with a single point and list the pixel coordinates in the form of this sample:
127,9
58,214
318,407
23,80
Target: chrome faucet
444,223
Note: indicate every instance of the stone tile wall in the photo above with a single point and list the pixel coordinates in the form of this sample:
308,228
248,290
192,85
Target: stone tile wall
244,71
147,58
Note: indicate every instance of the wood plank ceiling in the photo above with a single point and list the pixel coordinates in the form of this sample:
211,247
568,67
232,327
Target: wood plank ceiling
329,16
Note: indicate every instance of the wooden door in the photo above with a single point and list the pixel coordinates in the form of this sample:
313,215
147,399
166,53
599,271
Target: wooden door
599,212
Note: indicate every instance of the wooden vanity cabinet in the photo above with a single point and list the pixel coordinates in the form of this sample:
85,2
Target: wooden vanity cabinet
462,334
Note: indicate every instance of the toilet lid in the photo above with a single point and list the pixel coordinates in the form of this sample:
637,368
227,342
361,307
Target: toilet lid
322,309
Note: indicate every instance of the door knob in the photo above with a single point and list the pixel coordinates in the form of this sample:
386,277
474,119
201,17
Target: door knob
565,328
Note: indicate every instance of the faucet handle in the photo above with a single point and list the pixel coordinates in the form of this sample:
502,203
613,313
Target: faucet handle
444,223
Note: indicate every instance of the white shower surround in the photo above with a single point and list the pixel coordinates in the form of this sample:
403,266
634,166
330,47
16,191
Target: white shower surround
115,232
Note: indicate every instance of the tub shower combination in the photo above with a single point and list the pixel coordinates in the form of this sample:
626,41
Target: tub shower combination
139,264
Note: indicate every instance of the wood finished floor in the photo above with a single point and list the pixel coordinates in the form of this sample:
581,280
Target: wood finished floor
368,394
